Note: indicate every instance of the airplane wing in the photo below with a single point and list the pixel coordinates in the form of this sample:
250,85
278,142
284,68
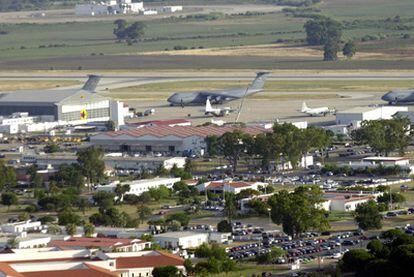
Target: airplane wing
217,97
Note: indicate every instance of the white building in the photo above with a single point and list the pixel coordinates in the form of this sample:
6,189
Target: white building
177,161
304,162
183,240
22,226
355,116
372,162
109,7
137,187
172,9
217,237
52,262
229,186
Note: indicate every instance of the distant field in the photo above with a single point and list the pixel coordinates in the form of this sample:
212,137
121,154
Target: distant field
91,45
11,85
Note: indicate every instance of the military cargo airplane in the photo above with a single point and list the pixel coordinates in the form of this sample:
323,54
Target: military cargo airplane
322,111
399,96
199,98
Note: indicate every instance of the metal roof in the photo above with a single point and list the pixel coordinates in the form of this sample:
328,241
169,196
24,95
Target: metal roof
46,96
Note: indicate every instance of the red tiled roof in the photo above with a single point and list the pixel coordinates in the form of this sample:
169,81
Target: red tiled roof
162,122
231,184
90,242
91,271
184,131
9,271
163,259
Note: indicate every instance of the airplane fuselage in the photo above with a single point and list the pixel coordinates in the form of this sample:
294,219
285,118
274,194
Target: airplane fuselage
399,96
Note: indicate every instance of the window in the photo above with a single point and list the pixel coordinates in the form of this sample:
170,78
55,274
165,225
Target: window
171,148
148,148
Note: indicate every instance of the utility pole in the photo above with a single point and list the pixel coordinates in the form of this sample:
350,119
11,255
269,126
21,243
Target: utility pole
241,104
390,199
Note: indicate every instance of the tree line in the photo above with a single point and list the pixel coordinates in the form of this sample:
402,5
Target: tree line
285,143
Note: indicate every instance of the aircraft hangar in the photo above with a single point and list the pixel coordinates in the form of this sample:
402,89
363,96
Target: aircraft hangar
64,106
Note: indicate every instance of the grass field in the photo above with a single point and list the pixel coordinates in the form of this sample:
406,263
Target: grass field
11,85
91,45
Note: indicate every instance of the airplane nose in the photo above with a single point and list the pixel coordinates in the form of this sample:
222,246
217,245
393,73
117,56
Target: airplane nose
388,97
173,98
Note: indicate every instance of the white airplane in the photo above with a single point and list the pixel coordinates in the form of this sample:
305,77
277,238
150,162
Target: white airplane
218,112
322,111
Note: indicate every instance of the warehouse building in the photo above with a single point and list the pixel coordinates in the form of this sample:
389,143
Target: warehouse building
164,139
355,116
67,107
137,187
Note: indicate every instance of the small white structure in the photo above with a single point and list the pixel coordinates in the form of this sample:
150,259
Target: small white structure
177,161
372,162
109,7
172,9
183,240
229,186
356,115
217,237
149,12
22,226
280,166
137,187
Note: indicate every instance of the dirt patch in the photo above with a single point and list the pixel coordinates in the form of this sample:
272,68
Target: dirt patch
264,50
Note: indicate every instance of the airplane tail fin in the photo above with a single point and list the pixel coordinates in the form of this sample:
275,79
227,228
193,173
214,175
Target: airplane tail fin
91,83
259,81
304,107
208,106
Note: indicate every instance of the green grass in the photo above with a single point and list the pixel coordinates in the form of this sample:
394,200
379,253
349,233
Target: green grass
248,269
77,41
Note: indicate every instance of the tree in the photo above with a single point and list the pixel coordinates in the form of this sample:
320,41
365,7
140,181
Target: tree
13,242
319,31
230,205
119,30
384,136
8,199
231,146
136,31
272,256
104,199
189,266
367,216
162,192
330,50
144,212
299,211
120,190
395,197
110,125
165,271
356,259
7,176
224,227
54,229
51,148
69,217
70,229
92,164
181,217
212,145
88,229
349,49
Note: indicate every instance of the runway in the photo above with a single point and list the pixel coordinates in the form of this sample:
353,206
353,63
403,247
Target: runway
254,110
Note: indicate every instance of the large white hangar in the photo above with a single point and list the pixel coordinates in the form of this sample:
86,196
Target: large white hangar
71,106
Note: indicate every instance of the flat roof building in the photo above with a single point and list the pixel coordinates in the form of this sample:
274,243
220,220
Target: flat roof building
356,115
165,139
